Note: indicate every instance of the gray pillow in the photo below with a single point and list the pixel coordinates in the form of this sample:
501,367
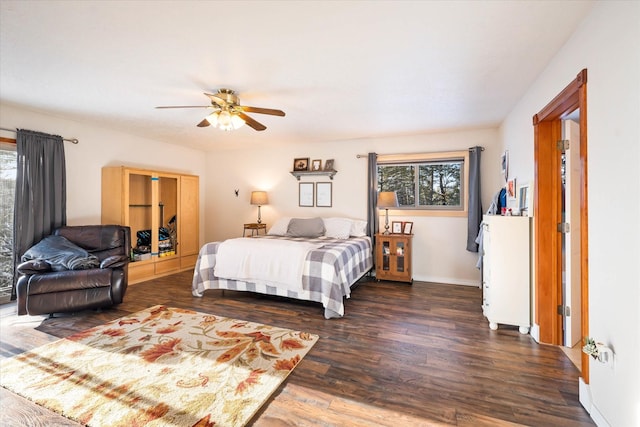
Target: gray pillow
305,227
61,254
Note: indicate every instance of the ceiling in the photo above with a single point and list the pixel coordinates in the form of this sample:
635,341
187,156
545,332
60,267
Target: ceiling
340,70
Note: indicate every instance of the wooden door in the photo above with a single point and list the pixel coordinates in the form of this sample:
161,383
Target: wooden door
188,219
571,246
547,213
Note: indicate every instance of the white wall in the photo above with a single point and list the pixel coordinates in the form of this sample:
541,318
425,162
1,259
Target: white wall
100,147
607,44
439,243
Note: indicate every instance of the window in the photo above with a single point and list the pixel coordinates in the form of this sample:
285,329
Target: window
8,168
431,182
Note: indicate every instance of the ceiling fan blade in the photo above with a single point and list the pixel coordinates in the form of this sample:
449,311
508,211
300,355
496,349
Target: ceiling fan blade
270,111
251,122
217,100
204,123
184,106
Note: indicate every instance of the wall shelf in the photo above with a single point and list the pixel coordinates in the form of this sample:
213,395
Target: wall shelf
299,174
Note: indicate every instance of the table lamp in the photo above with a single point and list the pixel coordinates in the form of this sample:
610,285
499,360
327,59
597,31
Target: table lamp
259,198
386,200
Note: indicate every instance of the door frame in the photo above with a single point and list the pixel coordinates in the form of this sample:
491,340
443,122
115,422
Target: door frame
547,209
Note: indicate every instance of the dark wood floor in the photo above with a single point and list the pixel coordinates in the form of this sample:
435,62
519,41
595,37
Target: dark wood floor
403,355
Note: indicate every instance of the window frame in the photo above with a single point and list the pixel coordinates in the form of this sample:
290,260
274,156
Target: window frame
392,159
7,144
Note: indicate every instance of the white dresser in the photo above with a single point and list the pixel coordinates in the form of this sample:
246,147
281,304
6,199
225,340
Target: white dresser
506,271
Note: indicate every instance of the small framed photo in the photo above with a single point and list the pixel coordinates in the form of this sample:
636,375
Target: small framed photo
511,189
523,200
407,227
301,164
305,197
328,165
316,165
396,227
323,194
504,164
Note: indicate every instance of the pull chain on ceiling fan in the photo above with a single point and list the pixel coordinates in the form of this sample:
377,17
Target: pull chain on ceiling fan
229,114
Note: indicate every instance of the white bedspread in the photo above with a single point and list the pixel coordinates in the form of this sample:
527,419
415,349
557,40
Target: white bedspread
278,262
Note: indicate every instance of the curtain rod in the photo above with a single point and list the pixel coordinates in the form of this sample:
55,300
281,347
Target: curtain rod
360,156
73,140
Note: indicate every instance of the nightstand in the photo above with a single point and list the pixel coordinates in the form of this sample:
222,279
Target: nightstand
255,228
393,257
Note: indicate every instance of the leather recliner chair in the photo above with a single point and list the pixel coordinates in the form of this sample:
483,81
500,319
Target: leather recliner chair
45,287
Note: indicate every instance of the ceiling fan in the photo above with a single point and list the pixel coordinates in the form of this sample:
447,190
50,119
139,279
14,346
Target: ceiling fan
229,114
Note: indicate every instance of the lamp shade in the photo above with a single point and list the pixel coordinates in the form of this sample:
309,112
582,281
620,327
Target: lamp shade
259,198
387,199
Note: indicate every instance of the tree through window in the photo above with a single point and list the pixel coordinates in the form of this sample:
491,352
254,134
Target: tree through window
8,169
426,184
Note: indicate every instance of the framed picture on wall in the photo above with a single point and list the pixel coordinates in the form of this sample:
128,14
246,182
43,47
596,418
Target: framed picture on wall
316,165
511,189
305,196
328,165
323,194
504,164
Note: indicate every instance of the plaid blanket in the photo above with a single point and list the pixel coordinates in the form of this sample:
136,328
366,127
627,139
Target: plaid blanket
328,274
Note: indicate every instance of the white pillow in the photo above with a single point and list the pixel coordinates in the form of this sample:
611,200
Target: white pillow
358,228
280,227
337,228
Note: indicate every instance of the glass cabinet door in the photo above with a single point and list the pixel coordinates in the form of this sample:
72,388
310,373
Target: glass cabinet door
140,215
167,216
400,250
386,254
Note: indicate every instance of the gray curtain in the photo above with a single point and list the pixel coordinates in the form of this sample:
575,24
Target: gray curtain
372,200
41,197
372,194
475,202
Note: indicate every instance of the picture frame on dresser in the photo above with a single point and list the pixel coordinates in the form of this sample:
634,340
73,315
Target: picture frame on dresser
396,227
407,227
523,200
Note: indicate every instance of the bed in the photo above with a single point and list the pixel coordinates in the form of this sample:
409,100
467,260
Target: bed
332,264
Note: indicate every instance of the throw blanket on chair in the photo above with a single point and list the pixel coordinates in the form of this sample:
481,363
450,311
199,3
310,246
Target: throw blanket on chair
274,262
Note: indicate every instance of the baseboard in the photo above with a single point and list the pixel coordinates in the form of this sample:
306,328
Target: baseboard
535,332
448,281
597,418
584,395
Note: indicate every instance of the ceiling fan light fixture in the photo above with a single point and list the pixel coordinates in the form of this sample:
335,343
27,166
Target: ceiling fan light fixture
224,120
228,114
227,120
236,121
213,118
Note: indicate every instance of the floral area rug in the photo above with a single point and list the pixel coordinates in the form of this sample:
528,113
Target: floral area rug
161,366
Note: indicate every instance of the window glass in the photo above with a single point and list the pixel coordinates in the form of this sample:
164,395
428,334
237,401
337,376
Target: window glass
426,185
8,167
401,179
439,184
